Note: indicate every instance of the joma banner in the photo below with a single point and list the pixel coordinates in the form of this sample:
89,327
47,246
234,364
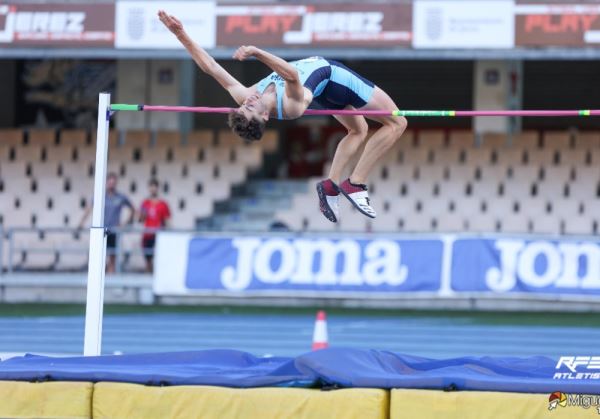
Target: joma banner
298,264
57,24
526,265
188,264
318,24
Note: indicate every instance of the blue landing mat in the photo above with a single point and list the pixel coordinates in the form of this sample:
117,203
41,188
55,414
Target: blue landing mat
334,367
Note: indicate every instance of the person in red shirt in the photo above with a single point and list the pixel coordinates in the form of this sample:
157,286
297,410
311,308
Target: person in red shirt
154,213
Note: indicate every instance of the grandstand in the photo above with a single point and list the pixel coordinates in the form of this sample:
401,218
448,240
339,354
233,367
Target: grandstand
447,181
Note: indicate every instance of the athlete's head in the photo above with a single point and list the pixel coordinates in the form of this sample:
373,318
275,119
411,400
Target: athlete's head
248,121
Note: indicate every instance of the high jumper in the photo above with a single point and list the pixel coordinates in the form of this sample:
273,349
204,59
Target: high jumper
289,91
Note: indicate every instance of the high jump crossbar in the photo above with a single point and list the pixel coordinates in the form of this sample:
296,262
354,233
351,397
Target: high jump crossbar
97,253
397,112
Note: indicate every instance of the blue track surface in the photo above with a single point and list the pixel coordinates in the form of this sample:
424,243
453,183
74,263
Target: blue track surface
290,335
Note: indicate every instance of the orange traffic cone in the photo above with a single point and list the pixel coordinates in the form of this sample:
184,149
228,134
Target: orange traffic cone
320,339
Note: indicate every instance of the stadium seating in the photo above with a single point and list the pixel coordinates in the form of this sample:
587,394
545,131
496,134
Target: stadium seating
533,182
46,181
432,180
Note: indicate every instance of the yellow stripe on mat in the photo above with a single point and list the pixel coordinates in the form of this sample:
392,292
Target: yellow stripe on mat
45,400
430,404
131,401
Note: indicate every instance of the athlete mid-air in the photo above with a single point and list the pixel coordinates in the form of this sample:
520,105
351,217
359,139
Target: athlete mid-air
288,92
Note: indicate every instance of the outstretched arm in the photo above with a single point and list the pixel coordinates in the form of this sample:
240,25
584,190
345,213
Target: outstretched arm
293,87
238,91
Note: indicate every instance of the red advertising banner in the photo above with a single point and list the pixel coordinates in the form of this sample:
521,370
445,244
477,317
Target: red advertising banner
57,25
339,25
555,24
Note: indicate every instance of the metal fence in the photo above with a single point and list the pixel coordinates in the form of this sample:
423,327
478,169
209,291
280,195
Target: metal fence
66,249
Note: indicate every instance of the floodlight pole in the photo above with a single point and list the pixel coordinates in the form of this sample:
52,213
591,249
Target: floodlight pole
92,344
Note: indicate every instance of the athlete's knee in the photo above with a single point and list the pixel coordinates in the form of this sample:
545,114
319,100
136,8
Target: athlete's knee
398,125
360,130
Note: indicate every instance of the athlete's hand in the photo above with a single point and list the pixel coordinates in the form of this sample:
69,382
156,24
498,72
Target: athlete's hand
171,22
244,52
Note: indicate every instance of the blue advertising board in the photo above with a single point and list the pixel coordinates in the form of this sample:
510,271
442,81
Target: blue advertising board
504,265
277,263
450,264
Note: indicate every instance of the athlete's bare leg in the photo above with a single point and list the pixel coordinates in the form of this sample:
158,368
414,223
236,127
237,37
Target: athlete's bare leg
383,139
347,148
355,188
349,145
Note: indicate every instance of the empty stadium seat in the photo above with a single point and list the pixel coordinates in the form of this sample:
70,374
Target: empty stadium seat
479,156
433,173
511,156
431,139
514,223
159,154
417,223
461,139
528,174
587,139
518,188
557,140
495,173
468,206
168,139
546,224
527,140
386,222
137,138
436,206
449,156
561,174
202,138
11,137
449,223
31,154
61,154
567,207
41,137
545,156
45,170
416,156
351,220
190,153
576,157
73,138
501,206
579,226
494,140
550,190
582,190
452,189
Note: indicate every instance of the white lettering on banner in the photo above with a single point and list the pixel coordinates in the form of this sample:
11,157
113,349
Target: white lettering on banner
239,279
53,22
262,261
563,265
304,261
314,24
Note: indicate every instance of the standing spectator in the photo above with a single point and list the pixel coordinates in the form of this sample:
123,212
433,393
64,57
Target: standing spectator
114,202
154,213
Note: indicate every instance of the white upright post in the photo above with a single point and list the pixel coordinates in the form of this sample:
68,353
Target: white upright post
97,258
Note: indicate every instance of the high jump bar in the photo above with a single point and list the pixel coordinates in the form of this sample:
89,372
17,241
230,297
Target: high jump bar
397,112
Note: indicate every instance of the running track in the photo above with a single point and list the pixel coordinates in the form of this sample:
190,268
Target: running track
291,335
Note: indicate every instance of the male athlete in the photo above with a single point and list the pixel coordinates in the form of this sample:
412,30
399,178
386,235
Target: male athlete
287,93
